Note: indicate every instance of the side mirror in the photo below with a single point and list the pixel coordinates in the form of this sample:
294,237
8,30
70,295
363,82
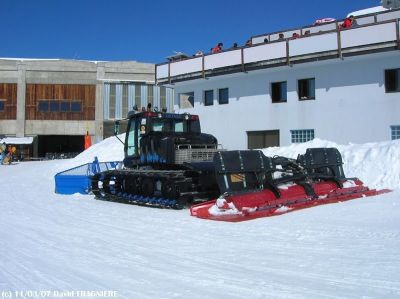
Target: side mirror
117,124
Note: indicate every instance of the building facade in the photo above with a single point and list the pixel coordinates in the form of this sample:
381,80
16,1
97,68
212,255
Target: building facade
58,102
336,84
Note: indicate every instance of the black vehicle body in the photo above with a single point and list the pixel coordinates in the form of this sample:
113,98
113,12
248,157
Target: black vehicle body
168,162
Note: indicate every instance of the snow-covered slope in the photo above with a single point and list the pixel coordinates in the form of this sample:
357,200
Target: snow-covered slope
56,243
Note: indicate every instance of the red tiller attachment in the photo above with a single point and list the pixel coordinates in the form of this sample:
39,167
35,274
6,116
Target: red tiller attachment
257,204
255,186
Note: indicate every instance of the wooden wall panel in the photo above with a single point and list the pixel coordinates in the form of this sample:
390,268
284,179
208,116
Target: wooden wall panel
85,94
8,92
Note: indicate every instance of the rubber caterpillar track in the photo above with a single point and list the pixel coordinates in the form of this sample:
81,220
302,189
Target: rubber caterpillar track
167,189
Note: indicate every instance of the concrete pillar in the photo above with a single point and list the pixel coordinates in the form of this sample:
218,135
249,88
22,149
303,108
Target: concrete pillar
35,147
99,110
21,93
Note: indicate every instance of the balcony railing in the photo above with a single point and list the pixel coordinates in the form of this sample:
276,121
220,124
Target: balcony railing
361,20
332,42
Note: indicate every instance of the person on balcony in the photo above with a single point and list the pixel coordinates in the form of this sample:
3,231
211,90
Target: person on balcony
281,36
248,43
348,22
217,48
295,35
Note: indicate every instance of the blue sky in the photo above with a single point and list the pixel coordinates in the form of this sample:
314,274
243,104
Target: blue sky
149,30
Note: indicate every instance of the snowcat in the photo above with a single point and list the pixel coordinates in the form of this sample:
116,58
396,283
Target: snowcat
170,163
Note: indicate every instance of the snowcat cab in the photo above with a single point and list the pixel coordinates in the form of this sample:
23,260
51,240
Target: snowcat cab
166,139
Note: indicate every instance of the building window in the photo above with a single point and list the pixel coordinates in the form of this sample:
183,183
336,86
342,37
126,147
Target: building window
163,98
299,136
186,100
120,98
223,96
2,106
138,96
65,106
125,94
279,92
392,80
54,106
150,95
395,132
262,139
59,106
306,89
43,106
76,107
208,97
112,102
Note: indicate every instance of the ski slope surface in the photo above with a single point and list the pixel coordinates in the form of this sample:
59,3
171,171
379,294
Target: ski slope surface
75,246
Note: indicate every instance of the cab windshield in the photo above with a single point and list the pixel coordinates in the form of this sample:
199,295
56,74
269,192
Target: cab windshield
170,125
130,139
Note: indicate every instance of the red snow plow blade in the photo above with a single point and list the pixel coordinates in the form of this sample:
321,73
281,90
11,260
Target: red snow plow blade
247,206
254,185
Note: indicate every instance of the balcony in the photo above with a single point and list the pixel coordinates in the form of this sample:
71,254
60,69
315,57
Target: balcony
374,33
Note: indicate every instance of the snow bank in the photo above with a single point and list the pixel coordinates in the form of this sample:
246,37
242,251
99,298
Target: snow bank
110,149
17,140
376,164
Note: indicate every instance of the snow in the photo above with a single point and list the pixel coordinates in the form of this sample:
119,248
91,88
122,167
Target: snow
108,150
283,209
222,207
285,186
376,164
17,140
367,11
349,184
56,243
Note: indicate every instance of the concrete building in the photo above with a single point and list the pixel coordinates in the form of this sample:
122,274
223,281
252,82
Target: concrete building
331,83
58,101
